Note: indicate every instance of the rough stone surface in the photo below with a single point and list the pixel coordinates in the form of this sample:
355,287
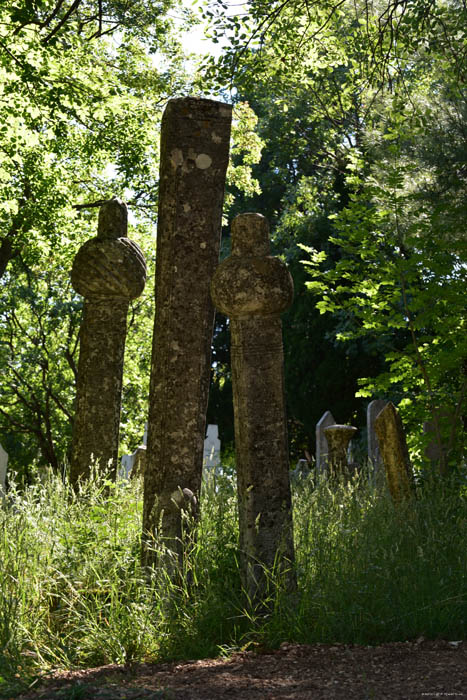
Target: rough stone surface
108,271
253,289
194,157
322,449
374,455
338,438
3,467
394,452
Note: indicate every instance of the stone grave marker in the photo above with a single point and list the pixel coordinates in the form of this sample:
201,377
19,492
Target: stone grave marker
3,468
134,464
338,438
212,448
322,449
374,455
108,271
253,289
195,142
394,453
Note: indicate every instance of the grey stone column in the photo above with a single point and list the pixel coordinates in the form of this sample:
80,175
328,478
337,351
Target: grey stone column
253,289
195,141
108,271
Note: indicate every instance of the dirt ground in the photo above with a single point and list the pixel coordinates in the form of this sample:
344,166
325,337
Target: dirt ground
402,670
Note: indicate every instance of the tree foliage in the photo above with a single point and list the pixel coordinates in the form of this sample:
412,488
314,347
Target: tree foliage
362,110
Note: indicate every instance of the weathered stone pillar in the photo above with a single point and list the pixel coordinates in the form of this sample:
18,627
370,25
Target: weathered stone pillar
108,271
338,438
195,142
253,289
394,452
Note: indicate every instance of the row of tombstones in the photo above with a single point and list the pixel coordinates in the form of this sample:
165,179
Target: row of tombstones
327,421
134,463
374,454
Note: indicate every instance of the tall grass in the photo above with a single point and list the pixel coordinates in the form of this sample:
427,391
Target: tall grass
73,593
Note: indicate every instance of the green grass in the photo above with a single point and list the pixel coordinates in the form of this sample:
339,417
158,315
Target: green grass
73,593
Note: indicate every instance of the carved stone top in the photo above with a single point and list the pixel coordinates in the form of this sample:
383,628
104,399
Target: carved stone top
113,220
111,264
251,282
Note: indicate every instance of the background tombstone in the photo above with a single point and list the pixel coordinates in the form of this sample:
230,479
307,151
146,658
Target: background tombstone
195,141
338,438
3,467
374,455
212,448
394,453
134,465
253,289
108,271
322,449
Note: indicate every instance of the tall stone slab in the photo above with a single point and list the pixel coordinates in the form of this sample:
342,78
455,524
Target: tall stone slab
374,455
3,468
253,289
108,271
394,452
195,141
322,448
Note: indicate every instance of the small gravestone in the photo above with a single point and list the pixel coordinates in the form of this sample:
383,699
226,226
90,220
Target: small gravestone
394,453
338,438
322,449
3,467
134,464
374,455
300,472
212,448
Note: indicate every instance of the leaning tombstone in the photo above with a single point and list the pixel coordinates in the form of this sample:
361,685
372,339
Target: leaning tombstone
253,289
108,271
338,438
374,454
195,140
322,448
394,453
3,468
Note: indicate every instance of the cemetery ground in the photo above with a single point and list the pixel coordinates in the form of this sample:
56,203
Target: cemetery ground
380,609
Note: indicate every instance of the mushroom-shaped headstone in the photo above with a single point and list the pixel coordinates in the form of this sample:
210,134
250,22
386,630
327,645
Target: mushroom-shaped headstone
108,271
253,289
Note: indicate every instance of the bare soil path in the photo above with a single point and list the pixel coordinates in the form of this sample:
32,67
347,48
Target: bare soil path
397,671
